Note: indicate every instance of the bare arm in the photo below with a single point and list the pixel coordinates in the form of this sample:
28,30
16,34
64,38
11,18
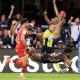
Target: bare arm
69,22
11,12
55,8
46,17
13,27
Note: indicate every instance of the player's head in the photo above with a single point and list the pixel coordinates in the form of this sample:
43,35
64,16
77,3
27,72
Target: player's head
63,14
67,51
24,20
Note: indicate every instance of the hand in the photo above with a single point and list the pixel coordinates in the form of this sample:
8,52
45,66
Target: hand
68,63
71,17
54,1
45,12
14,22
12,6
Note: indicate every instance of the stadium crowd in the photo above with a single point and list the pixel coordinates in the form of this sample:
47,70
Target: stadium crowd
9,27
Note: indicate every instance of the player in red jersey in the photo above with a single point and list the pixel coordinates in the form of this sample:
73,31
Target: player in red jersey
21,45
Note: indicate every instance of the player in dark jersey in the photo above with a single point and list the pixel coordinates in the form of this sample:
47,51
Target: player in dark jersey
51,58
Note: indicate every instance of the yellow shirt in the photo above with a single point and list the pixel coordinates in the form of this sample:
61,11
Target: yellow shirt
48,42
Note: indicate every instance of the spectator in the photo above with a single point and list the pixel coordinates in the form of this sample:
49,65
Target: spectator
4,22
70,43
60,44
15,25
13,33
48,40
18,16
6,39
75,29
33,23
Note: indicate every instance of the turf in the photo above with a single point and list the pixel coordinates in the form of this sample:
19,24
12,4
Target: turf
40,76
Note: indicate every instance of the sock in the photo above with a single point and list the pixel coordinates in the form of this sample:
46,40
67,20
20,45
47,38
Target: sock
24,68
18,62
21,74
57,67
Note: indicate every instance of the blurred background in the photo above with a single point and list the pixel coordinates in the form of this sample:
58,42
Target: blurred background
33,8
34,11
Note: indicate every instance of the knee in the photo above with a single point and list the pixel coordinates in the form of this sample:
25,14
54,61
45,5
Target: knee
25,63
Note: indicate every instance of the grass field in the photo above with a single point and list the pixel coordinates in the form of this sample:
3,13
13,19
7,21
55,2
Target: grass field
40,76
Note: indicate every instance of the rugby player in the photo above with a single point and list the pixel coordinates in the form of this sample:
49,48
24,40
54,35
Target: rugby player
23,33
51,58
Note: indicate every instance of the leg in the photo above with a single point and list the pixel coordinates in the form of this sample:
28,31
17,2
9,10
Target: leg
33,55
23,61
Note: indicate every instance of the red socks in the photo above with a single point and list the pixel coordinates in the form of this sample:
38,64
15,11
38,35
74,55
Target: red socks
24,68
18,62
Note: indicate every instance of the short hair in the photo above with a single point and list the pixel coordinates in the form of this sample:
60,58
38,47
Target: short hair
67,50
24,20
30,28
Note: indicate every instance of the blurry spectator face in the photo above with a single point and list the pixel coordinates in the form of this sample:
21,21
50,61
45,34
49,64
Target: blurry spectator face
33,22
5,32
62,14
77,20
38,28
0,33
38,44
19,16
3,18
60,45
30,32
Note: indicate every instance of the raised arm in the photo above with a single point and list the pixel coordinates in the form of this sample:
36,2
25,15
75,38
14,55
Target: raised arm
55,8
11,12
70,20
46,18
13,27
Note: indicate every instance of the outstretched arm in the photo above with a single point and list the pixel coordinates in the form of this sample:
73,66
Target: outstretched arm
11,12
46,17
55,8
